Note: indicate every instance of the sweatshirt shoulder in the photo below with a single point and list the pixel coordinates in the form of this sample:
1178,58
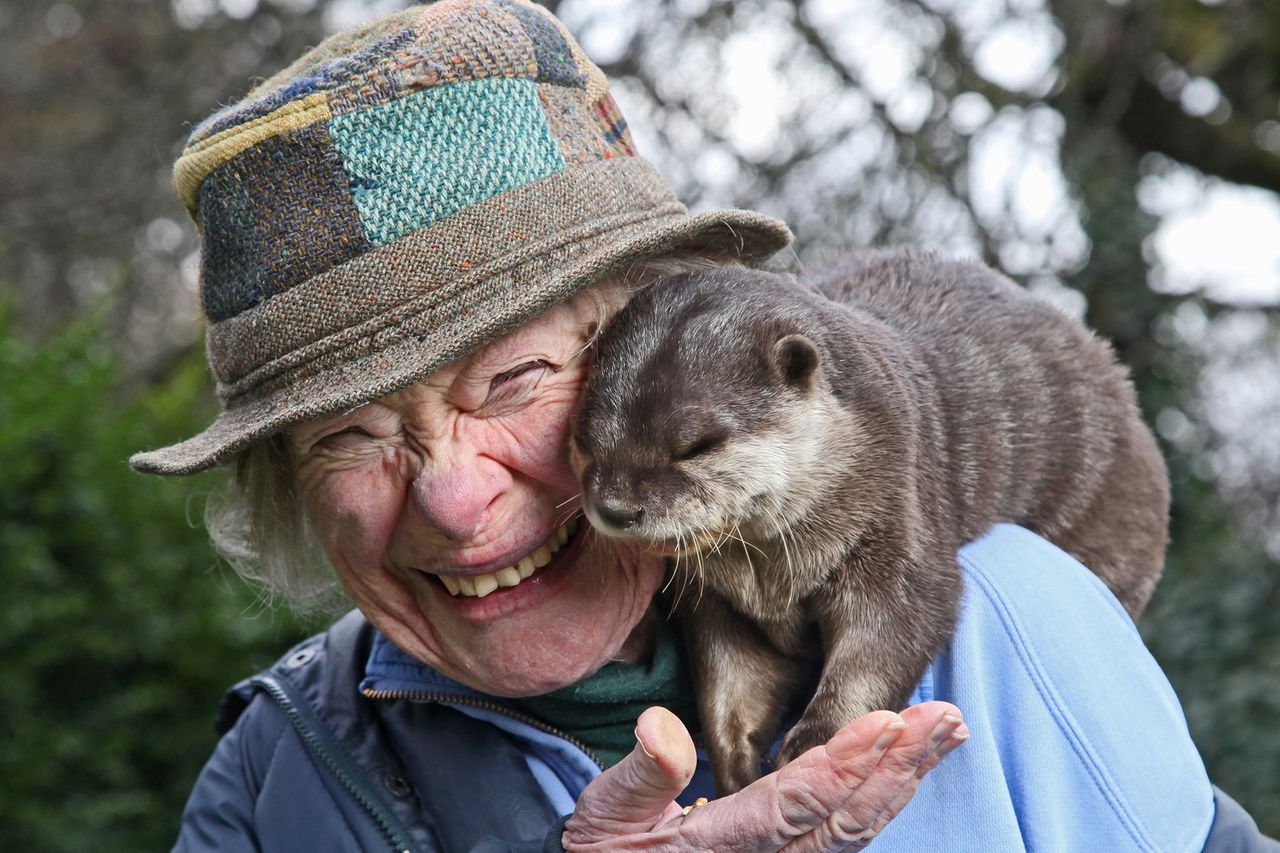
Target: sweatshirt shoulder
1052,665
1018,571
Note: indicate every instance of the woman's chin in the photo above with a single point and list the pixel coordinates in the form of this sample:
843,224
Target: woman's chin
532,659
553,629
563,640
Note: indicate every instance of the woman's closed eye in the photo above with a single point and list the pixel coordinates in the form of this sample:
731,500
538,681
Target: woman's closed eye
348,438
508,385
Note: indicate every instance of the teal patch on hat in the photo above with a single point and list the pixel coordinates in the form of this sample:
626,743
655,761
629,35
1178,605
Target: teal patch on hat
427,155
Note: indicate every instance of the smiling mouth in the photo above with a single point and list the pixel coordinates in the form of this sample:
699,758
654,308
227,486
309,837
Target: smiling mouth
478,586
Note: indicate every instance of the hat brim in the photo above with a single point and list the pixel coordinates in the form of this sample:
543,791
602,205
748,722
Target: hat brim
492,311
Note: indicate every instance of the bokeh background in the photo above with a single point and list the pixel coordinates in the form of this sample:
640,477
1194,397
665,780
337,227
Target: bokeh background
1121,158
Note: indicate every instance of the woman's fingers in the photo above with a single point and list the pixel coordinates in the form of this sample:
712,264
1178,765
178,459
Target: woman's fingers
638,792
835,797
792,802
905,794
932,730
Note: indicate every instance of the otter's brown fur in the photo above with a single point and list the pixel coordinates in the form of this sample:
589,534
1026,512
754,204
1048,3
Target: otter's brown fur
813,455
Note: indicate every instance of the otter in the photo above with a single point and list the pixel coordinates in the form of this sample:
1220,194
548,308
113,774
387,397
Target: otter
811,455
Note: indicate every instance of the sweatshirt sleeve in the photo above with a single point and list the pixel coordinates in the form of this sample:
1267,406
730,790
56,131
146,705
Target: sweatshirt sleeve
1234,831
1078,741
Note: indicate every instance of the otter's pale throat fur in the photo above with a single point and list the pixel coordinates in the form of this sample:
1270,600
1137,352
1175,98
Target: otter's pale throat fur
814,454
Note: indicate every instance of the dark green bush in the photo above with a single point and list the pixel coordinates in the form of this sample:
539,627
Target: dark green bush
119,629
1214,625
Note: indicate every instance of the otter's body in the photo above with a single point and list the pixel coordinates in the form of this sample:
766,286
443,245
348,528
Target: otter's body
813,455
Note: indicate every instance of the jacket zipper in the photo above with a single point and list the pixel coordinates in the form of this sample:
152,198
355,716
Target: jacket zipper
449,699
335,758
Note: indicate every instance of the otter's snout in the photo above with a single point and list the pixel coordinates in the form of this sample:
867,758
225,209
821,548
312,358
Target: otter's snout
620,516
610,503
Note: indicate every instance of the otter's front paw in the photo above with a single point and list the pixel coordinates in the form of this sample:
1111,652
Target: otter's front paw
806,734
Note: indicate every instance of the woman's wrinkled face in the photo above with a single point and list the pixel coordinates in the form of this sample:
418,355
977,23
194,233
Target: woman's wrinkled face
462,483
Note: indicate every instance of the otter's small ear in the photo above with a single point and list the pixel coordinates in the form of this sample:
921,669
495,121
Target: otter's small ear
795,359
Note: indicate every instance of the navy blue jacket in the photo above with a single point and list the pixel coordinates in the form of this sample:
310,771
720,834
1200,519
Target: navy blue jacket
307,763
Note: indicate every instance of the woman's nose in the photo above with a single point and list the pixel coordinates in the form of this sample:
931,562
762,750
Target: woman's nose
456,497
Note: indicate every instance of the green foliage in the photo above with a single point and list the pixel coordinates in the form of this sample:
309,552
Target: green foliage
1214,621
1214,625
119,630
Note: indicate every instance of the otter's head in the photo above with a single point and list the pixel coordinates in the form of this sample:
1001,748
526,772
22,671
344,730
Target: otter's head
702,418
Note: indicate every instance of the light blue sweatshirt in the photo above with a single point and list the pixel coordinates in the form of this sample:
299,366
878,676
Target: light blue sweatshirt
1078,742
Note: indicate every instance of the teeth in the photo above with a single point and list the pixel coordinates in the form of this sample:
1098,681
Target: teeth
485,584
525,567
478,586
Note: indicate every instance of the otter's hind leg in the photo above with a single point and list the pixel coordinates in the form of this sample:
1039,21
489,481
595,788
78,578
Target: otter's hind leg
742,683
1122,536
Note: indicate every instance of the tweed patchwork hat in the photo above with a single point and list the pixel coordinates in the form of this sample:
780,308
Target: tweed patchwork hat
404,193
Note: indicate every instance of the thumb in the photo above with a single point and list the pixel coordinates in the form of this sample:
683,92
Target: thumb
639,791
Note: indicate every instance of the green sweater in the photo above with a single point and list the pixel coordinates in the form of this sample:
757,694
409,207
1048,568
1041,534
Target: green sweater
601,710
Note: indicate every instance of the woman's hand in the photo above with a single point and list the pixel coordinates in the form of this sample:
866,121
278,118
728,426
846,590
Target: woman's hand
835,797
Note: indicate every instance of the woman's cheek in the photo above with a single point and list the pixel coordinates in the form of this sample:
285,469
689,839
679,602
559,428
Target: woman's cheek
539,437
354,512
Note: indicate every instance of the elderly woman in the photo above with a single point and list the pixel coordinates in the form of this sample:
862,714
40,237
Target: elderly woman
409,238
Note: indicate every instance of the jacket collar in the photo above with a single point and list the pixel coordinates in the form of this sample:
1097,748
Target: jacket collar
390,670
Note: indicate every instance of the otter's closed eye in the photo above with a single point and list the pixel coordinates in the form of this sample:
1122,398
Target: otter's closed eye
704,443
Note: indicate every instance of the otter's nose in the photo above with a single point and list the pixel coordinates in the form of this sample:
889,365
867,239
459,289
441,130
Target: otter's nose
620,516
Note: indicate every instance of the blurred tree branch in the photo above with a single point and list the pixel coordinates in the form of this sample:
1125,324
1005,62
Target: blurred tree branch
1120,49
